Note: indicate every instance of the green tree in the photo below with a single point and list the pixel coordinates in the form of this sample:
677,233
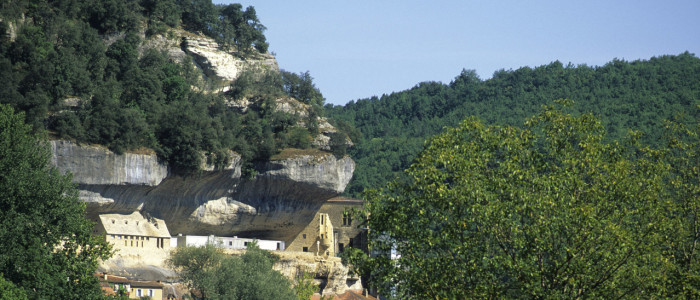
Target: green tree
8,291
47,248
220,276
305,287
549,211
683,149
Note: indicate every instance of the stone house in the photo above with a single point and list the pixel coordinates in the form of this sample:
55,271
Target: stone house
134,235
111,285
332,229
152,289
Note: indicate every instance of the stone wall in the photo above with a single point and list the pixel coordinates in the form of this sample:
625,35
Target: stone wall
344,230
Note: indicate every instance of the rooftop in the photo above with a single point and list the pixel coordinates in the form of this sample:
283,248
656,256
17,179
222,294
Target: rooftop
134,224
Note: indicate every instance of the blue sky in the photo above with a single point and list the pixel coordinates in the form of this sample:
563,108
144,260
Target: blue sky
359,49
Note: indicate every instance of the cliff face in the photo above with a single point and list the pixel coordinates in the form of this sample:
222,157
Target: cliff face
276,204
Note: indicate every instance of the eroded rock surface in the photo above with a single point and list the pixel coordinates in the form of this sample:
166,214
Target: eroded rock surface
276,204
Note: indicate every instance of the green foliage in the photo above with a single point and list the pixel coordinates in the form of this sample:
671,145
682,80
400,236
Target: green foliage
547,211
305,287
126,99
338,144
357,260
683,147
220,276
636,95
47,248
302,88
240,28
8,290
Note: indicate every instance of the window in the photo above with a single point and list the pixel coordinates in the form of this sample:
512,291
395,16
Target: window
279,246
341,247
150,292
303,235
139,293
230,243
305,249
321,219
350,243
347,220
112,221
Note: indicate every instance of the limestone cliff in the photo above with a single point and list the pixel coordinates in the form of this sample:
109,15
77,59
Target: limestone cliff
276,204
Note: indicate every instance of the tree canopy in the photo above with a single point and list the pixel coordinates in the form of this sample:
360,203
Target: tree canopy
47,248
216,275
548,211
625,95
60,70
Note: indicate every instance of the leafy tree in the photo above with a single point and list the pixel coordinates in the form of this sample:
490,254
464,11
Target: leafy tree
305,287
338,144
47,248
302,88
8,291
637,95
198,15
683,147
547,211
220,276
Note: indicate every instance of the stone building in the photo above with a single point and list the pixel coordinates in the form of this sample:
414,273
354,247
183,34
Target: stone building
332,229
134,235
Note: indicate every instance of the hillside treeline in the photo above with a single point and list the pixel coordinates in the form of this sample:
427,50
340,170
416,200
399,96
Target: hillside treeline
77,69
389,131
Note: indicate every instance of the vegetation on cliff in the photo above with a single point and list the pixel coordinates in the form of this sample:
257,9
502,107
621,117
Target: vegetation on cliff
389,131
47,249
550,210
79,69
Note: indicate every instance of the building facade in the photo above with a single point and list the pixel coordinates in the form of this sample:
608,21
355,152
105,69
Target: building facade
225,242
134,235
332,230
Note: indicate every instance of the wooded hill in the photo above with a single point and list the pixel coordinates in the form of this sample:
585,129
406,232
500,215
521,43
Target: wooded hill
390,130
77,68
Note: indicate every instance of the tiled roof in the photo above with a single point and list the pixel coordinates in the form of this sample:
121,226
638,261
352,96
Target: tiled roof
146,284
112,278
134,224
345,199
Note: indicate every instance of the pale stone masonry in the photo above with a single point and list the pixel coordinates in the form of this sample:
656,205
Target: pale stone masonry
331,231
134,235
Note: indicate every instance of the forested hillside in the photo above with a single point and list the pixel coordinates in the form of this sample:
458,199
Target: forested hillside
389,131
81,70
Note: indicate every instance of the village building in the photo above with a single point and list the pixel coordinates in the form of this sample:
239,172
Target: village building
111,284
146,239
225,242
115,285
152,289
332,230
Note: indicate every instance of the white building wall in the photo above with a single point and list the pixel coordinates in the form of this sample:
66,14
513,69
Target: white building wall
226,242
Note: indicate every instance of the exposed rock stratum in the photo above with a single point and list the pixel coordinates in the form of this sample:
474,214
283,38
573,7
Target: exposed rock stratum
276,204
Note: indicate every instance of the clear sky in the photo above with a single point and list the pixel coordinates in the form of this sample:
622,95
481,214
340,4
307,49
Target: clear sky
359,49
